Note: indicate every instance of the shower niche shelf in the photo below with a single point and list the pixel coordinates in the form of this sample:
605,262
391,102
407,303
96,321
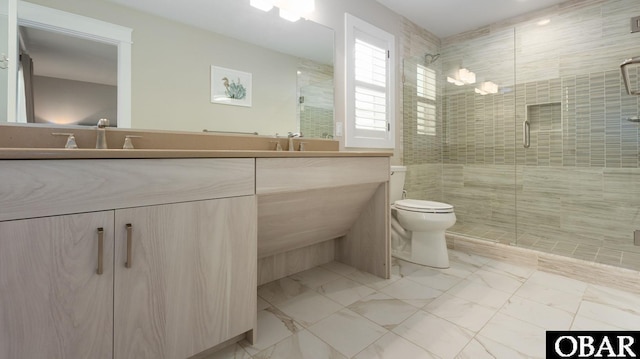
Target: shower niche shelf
545,117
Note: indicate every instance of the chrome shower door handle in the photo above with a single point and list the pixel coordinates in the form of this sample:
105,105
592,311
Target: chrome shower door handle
526,134
625,74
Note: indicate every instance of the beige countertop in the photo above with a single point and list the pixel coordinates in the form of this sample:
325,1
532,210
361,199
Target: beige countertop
61,153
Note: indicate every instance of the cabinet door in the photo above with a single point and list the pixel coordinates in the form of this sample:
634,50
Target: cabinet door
53,302
192,280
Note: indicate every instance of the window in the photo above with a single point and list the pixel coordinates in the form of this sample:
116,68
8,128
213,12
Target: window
370,85
426,103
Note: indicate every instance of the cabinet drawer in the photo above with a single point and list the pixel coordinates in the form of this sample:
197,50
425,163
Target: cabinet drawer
296,174
36,188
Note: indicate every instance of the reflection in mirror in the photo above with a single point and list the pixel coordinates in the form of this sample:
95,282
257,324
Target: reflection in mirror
305,43
65,80
72,69
174,52
315,90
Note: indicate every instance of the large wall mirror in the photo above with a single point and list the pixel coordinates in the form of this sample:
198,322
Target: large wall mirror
172,51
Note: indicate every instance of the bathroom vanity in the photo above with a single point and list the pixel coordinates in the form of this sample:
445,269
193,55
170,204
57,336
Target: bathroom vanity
158,253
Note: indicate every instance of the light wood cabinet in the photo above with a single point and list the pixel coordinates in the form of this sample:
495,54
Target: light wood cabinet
192,280
53,303
191,283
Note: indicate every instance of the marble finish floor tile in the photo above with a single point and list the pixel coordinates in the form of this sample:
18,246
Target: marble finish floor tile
467,258
281,290
549,296
262,304
314,277
301,345
625,301
347,332
484,348
309,307
519,272
434,334
558,282
411,292
477,308
434,278
461,269
403,268
339,268
501,282
610,315
234,351
460,311
584,323
516,334
383,310
538,314
392,346
345,291
273,326
480,293
371,280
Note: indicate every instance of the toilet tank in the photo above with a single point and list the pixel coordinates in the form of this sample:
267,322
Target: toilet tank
396,183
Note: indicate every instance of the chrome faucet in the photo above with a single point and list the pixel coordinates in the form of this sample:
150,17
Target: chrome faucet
101,138
291,135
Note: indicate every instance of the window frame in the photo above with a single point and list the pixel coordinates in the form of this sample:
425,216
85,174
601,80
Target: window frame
356,28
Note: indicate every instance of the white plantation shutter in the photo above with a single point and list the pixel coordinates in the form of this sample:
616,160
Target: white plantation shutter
370,95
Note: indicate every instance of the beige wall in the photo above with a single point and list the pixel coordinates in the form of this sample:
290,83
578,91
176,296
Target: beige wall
171,74
69,102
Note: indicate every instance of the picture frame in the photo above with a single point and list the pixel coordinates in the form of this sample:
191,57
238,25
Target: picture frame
230,87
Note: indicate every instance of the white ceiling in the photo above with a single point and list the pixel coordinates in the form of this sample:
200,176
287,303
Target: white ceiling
72,58
449,17
237,19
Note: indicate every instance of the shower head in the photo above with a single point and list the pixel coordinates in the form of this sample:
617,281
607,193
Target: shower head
431,58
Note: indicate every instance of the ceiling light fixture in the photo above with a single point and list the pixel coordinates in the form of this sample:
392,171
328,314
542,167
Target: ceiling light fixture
467,76
543,22
264,5
462,77
289,15
486,88
291,10
451,80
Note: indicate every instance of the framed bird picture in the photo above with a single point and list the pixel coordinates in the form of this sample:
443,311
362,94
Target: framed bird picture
230,87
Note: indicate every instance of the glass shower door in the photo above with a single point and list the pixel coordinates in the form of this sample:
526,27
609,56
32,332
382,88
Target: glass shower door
458,133
578,192
478,142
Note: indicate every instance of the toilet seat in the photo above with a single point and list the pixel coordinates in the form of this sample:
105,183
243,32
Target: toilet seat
416,205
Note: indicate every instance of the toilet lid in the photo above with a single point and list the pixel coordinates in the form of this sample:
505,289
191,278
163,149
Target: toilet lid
423,206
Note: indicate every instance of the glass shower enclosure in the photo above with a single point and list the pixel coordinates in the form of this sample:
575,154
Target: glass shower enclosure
535,139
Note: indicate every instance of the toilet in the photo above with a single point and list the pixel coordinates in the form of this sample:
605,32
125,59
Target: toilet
418,227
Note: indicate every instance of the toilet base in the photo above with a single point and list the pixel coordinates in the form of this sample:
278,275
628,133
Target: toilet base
427,249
